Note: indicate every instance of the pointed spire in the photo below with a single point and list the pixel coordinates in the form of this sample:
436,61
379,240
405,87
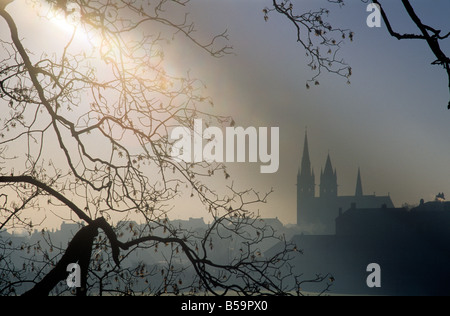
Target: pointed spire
306,161
305,178
328,166
328,180
359,189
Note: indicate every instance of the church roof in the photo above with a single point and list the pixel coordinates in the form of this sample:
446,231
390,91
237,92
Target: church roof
364,202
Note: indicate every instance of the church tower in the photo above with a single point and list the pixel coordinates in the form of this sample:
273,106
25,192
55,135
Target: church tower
306,186
318,214
328,181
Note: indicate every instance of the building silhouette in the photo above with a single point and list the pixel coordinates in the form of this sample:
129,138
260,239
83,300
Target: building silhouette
319,213
412,247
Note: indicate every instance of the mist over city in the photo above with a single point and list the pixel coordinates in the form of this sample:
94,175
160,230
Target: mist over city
224,148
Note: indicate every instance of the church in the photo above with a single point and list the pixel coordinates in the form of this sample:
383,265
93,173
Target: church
317,214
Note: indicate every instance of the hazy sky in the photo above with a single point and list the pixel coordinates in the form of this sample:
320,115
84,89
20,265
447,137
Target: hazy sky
392,121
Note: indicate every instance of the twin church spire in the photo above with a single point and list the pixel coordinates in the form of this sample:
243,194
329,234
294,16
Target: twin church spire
328,178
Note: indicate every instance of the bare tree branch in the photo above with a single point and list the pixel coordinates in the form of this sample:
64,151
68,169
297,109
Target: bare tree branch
108,109
306,24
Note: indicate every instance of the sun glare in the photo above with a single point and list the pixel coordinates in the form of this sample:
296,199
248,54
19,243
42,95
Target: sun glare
68,24
66,21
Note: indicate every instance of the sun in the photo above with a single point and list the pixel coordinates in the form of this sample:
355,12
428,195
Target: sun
68,20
